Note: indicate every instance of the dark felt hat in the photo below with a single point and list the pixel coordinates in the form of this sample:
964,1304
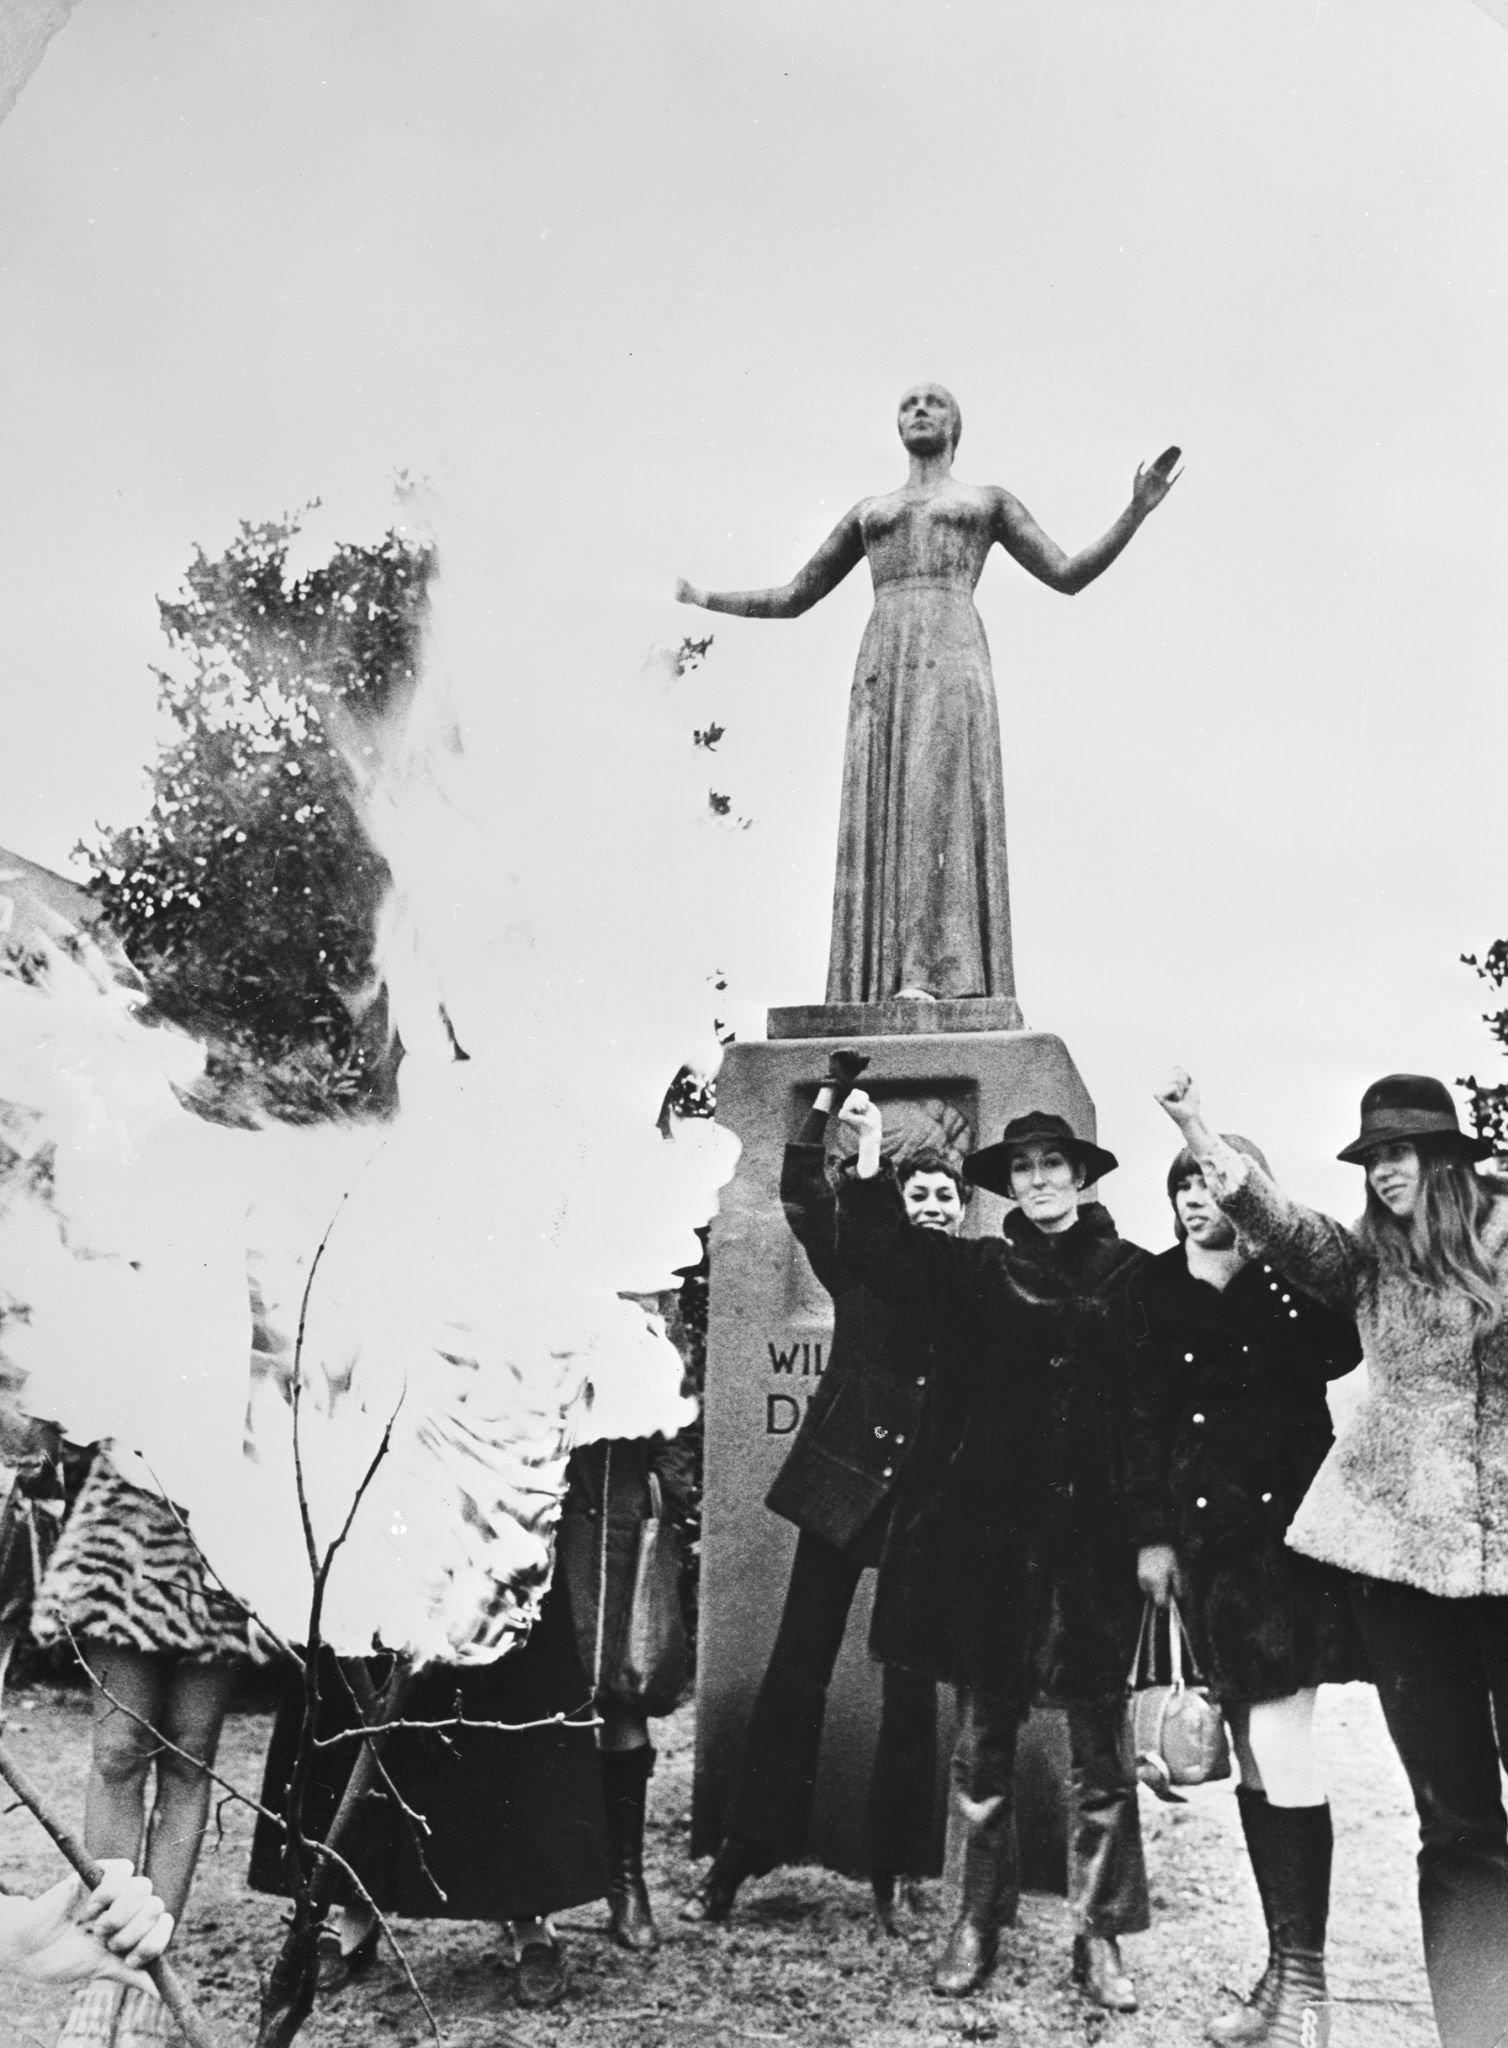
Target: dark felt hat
1402,1107
991,1166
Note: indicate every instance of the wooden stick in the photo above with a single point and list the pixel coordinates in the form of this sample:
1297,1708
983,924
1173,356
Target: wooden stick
162,1973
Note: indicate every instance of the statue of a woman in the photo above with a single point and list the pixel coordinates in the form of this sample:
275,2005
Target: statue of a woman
921,905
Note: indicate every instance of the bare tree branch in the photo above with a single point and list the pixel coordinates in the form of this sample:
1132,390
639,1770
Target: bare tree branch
174,1995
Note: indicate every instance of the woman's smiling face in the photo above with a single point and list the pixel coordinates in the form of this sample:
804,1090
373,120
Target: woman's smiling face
1393,1176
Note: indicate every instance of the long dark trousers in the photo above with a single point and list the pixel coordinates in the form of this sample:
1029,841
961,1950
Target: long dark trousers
1441,1668
1107,1874
772,1801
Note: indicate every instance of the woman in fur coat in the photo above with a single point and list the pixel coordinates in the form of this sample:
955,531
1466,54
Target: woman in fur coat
1008,1569
1413,1499
1228,1424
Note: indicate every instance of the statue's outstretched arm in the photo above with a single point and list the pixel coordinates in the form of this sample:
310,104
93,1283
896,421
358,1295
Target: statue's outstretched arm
1025,542
842,549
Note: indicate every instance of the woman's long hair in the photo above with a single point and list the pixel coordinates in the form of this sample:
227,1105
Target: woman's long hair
1441,1246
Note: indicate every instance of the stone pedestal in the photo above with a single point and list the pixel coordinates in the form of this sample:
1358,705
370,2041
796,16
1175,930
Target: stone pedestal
768,1325
897,1018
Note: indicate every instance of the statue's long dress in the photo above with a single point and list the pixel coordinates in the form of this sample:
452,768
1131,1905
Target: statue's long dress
922,899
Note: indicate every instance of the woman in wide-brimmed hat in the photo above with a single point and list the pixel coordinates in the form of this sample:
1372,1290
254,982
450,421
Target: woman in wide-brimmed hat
1413,1499
1008,1569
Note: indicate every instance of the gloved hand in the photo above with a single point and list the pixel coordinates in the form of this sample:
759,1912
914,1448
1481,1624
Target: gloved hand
844,1068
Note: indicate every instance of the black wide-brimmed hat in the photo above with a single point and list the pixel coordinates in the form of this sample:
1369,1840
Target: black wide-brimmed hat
991,1166
1402,1107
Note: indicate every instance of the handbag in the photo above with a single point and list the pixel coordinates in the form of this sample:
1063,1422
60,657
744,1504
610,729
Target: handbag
636,1649
1174,1733
654,1663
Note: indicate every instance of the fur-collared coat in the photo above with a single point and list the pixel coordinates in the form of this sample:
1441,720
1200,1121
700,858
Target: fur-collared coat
1008,1567
1227,1426
1416,1488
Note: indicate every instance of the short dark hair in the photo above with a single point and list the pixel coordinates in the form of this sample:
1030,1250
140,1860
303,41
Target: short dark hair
1186,1168
929,1160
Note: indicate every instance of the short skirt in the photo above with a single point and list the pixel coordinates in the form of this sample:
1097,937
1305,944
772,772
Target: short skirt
125,1572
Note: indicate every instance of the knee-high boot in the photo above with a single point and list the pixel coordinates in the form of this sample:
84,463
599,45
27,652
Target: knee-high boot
1303,1845
625,1788
1292,1849
1249,2021
983,1794
988,1894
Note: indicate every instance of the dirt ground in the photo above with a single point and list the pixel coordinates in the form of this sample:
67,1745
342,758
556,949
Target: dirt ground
801,1961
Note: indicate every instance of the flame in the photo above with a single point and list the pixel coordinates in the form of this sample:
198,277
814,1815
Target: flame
434,1314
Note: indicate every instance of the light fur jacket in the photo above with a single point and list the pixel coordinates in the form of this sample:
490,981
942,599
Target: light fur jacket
1416,1487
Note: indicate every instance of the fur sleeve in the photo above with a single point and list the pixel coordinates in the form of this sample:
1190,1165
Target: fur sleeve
1313,1251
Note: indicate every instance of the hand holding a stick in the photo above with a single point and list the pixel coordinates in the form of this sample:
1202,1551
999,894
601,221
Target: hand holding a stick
71,1933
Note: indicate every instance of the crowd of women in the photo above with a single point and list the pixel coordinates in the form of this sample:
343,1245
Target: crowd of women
1083,1428
1094,1428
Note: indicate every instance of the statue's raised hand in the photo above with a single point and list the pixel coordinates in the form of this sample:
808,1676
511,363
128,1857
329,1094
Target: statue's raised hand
1153,480
687,593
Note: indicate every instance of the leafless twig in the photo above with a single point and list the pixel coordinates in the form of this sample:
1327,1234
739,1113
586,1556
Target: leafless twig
454,1721
174,1996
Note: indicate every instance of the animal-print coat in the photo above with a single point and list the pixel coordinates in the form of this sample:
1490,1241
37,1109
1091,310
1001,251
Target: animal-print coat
1416,1488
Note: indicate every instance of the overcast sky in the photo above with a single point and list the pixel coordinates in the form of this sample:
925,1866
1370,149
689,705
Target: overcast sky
635,288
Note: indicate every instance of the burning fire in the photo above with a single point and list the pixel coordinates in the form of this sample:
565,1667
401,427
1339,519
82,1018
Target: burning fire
422,1315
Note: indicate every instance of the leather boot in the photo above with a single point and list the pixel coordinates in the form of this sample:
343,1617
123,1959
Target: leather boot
1300,2002
973,1941
625,1789
1100,1974
736,1859
539,1974
1249,2022
1302,1845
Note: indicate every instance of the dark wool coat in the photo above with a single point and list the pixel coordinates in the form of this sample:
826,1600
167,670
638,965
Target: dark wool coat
1227,1426
516,1812
1008,1567
1417,1488
862,1420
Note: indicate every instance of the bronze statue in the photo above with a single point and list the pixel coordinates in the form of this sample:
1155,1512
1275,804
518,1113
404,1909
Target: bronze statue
921,905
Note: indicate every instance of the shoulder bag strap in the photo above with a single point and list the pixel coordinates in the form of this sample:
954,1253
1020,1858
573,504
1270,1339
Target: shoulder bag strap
1143,1642
607,1483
